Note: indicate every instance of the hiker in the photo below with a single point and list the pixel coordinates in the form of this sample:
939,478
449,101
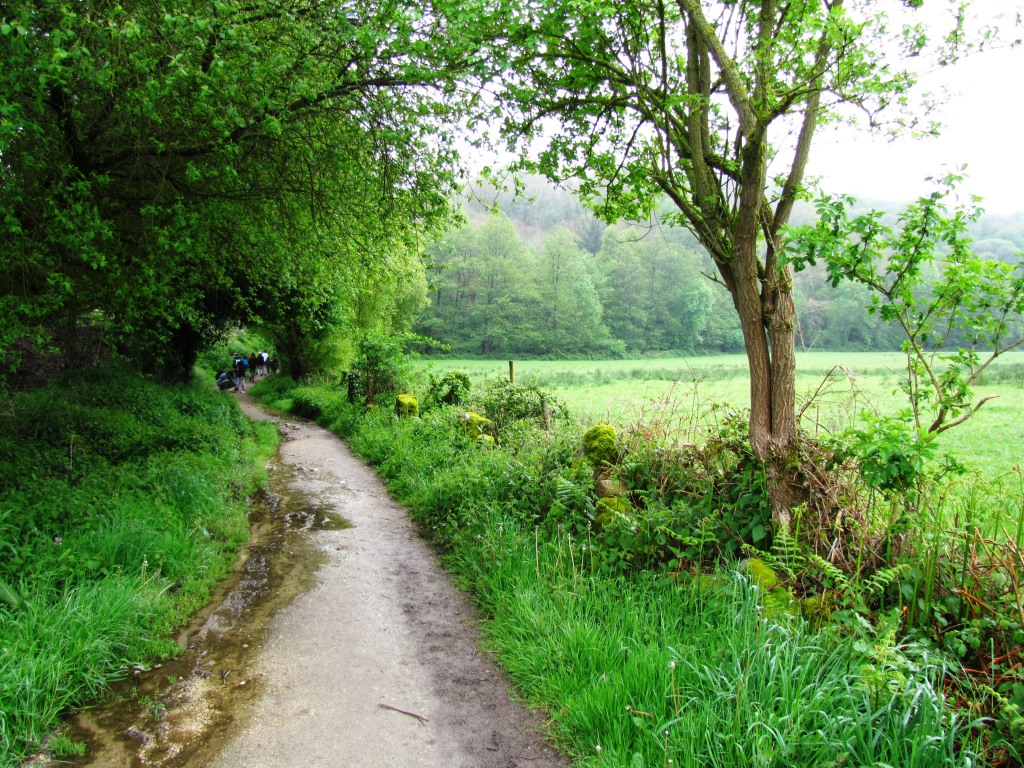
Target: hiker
252,364
239,369
224,380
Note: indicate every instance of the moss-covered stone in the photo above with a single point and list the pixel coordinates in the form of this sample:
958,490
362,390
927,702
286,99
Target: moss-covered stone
760,574
610,508
605,487
817,610
406,406
599,447
477,427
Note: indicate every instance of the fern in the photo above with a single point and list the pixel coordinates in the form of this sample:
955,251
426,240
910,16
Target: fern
840,581
786,555
882,578
571,497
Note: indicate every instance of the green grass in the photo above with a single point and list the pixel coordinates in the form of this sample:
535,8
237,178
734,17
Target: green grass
619,629
644,672
122,504
630,391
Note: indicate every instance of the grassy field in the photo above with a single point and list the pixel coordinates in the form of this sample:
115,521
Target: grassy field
627,391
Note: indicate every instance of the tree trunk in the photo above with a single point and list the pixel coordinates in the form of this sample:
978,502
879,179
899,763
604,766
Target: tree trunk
764,302
747,297
784,490
182,353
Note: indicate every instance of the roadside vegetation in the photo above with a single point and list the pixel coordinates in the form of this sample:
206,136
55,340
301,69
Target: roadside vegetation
637,590
834,390
122,504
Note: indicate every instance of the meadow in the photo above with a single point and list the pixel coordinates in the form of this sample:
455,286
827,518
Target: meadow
835,388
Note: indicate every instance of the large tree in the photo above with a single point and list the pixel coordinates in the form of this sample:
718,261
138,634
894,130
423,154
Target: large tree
167,169
714,104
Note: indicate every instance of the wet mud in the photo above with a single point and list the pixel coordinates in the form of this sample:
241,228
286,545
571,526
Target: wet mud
164,715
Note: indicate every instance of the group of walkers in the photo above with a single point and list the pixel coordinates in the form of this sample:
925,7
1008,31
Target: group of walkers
243,368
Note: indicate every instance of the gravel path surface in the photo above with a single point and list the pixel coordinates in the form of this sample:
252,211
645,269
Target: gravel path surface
378,664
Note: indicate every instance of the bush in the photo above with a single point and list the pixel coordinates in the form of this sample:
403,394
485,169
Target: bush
382,366
504,402
453,388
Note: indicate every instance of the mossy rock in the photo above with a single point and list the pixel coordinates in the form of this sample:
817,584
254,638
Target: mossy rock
477,427
610,508
760,574
816,610
605,487
599,447
406,406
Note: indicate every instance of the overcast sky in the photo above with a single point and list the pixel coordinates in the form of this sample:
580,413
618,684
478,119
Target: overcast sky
983,129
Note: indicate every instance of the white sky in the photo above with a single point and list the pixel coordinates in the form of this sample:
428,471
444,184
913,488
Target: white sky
983,128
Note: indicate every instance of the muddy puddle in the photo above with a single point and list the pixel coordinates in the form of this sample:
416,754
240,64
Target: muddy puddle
180,711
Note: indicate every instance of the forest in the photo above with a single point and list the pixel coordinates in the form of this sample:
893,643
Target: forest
538,274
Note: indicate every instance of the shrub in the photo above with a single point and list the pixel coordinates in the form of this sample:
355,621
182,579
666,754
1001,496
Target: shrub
382,366
504,402
453,388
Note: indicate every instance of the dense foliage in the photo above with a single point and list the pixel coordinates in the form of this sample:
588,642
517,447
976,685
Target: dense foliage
121,505
169,172
654,294
493,295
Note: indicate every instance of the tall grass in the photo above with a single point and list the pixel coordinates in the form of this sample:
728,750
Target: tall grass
62,647
643,672
121,503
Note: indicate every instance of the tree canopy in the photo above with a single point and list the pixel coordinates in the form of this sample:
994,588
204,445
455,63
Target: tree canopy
716,105
168,171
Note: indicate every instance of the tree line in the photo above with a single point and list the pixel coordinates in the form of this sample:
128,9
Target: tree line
541,275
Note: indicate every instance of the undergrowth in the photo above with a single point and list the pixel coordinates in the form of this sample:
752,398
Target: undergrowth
122,502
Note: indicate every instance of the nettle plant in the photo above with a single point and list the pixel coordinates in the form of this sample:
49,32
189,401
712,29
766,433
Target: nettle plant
959,311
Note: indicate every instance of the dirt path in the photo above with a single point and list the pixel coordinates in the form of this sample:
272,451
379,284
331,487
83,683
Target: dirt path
375,665
383,626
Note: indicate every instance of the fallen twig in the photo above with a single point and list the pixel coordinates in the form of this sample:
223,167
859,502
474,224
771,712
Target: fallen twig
421,718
